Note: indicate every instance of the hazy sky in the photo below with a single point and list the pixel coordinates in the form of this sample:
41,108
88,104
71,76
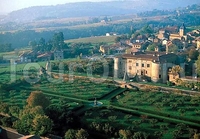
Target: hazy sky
7,6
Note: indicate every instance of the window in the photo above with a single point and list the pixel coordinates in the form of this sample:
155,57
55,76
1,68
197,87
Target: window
130,68
130,61
146,72
137,64
159,76
142,65
148,65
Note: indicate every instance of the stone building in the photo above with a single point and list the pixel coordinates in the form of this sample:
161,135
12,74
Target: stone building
58,55
180,35
136,45
172,33
153,65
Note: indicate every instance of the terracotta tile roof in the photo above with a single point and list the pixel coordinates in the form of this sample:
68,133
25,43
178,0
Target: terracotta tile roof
44,55
157,56
170,29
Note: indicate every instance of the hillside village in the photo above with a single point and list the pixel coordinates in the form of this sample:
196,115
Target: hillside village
141,52
147,55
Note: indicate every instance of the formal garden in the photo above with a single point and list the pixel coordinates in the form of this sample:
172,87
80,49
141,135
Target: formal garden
163,103
115,123
83,88
123,113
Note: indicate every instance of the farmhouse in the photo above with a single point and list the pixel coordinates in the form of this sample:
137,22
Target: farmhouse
58,55
152,65
26,56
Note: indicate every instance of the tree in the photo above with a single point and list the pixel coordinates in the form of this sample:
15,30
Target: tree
31,111
41,45
112,118
125,134
24,124
58,41
32,120
63,117
6,47
82,134
173,48
117,39
32,44
3,108
138,135
193,54
14,111
153,122
38,99
158,134
176,70
147,30
151,47
70,134
42,124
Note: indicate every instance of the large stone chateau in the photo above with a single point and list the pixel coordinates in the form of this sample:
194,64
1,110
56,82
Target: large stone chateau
153,65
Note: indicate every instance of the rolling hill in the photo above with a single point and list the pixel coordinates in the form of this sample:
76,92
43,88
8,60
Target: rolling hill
93,9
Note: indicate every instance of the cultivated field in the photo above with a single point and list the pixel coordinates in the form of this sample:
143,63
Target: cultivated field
97,39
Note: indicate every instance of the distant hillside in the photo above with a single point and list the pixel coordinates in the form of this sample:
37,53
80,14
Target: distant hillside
89,9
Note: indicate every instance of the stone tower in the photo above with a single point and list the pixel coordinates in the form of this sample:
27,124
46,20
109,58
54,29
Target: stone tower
119,67
116,67
182,30
155,71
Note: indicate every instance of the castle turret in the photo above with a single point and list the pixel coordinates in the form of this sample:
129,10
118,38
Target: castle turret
155,75
116,67
119,67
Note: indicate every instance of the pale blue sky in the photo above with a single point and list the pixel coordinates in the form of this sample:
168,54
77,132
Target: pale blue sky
7,6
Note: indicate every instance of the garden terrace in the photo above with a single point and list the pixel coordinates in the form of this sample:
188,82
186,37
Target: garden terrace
110,121
78,88
164,104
